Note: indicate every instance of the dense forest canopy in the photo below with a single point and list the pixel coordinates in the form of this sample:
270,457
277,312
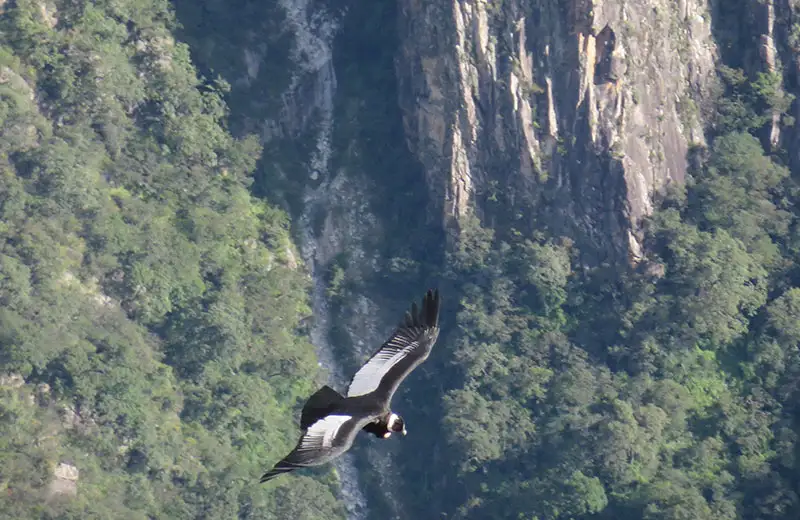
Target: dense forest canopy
664,390
151,304
667,390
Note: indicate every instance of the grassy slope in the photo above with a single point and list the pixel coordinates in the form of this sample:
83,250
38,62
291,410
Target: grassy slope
149,301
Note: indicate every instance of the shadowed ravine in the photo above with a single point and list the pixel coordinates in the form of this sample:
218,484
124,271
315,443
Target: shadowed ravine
314,33
314,200
348,474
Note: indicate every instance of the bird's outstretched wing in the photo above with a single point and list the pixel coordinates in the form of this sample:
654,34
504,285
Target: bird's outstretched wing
324,440
408,346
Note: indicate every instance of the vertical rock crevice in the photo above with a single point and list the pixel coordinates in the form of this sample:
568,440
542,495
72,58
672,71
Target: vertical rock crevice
624,80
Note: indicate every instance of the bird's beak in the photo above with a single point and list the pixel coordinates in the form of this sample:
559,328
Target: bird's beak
404,431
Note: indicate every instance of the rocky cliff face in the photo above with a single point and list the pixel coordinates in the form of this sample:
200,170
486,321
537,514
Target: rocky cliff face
567,115
570,115
590,104
778,30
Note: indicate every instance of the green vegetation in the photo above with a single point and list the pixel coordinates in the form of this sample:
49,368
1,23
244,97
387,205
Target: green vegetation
150,304
148,300
666,391
232,40
748,105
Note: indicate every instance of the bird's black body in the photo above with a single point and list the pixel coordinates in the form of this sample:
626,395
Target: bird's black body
326,401
330,421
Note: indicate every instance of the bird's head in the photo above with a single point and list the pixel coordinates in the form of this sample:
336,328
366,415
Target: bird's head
395,424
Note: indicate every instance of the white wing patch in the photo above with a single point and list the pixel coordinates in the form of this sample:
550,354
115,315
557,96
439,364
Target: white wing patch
322,433
369,376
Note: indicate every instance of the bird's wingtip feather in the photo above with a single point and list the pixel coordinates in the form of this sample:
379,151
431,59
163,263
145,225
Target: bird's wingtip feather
430,308
279,469
425,316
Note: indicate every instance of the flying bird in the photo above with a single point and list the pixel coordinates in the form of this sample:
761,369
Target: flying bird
330,421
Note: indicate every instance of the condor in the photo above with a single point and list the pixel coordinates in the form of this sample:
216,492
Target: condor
330,421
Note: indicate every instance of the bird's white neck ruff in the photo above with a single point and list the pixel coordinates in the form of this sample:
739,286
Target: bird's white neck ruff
392,419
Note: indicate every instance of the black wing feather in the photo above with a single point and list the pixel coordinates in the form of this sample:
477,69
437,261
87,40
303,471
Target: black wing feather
279,469
312,450
320,404
407,347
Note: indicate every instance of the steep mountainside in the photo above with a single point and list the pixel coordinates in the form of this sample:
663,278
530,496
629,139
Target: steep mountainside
512,152
152,356
577,111
605,192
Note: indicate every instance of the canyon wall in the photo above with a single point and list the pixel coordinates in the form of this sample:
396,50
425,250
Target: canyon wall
584,110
